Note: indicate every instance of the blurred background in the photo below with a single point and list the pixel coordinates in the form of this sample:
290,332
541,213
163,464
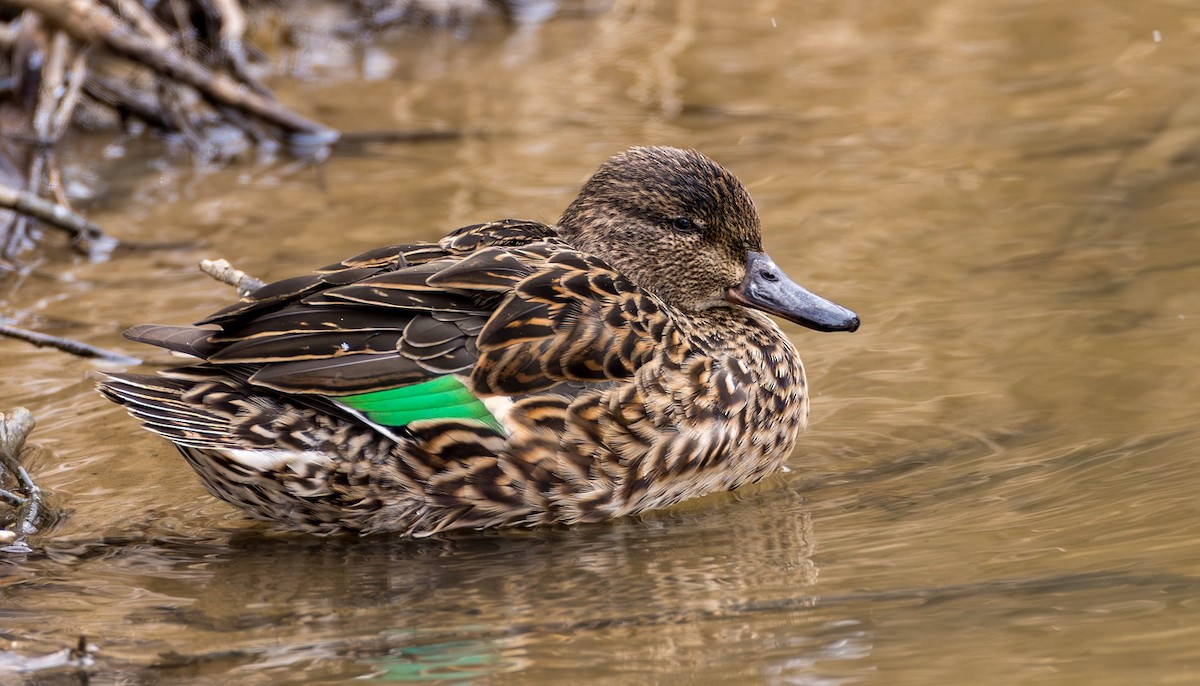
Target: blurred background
999,481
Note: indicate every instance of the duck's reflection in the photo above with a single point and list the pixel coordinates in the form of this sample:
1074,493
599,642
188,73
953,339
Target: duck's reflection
487,604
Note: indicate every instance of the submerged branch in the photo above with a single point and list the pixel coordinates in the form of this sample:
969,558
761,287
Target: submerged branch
66,345
14,429
79,656
85,236
11,499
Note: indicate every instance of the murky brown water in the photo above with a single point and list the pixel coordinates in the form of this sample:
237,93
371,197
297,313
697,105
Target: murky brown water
1000,482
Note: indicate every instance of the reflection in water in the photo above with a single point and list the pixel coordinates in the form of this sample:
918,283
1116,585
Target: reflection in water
1000,469
260,604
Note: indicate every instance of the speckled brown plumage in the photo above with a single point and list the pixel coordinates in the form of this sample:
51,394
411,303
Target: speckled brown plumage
637,375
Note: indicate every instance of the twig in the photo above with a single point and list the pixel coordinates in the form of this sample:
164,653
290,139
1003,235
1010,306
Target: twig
92,23
14,429
55,106
42,340
137,16
360,138
11,499
55,183
226,273
52,80
233,20
66,106
78,656
128,101
232,45
86,236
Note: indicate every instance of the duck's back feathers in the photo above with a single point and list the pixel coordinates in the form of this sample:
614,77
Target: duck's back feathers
505,304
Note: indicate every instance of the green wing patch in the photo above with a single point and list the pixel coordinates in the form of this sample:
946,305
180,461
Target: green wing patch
442,398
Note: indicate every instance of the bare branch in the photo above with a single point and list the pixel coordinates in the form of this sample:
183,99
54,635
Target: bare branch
66,106
66,345
52,79
137,16
87,236
14,429
92,23
127,100
226,273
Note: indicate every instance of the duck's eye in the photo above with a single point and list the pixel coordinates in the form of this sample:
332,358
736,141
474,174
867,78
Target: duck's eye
683,224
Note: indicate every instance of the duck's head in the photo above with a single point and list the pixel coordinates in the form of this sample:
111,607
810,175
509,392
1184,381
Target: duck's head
682,227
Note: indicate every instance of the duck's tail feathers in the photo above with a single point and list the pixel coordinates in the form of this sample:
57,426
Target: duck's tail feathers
163,406
187,340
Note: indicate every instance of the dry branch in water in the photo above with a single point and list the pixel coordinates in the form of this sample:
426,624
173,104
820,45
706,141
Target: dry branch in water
92,23
66,345
78,656
180,67
25,497
85,236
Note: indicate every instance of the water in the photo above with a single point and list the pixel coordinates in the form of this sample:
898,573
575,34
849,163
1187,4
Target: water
998,485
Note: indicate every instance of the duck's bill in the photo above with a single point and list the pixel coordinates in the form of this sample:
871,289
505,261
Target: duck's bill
767,288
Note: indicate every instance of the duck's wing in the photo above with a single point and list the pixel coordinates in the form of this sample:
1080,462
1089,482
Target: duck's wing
460,243
506,304
569,318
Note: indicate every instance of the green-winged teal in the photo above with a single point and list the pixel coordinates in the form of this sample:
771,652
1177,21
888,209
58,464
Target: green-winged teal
512,373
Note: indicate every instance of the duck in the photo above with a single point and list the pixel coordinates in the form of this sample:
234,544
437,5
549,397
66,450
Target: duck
511,374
